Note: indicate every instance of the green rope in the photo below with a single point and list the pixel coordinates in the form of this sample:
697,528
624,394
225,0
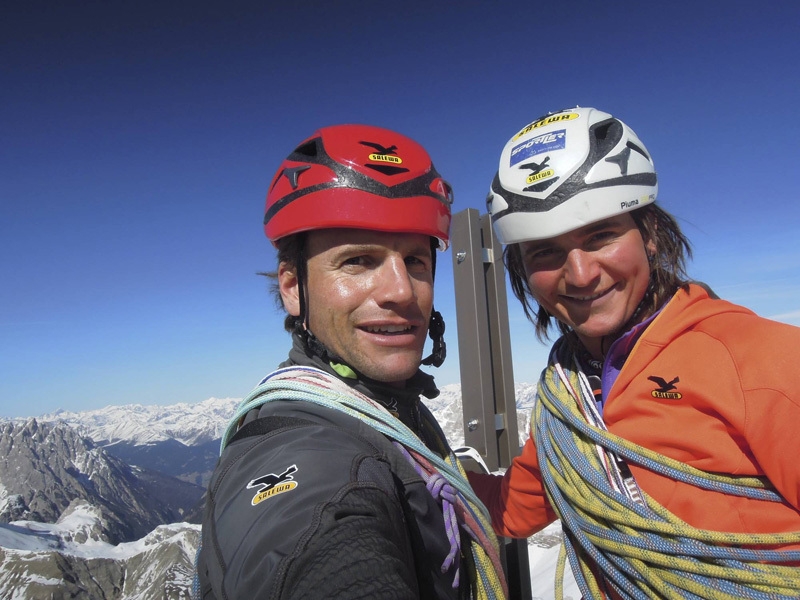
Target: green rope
640,549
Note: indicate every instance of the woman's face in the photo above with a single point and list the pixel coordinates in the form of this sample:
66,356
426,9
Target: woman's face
591,279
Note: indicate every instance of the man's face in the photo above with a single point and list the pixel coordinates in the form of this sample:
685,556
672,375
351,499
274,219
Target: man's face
370,296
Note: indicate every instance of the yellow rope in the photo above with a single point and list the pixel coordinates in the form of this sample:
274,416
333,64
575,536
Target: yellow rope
640,549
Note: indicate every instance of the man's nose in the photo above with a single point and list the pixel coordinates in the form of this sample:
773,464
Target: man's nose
394,283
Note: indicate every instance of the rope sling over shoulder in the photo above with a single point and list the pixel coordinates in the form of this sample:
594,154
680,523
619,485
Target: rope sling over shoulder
615,530
444,478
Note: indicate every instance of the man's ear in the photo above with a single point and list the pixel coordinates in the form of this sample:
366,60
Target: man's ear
288,284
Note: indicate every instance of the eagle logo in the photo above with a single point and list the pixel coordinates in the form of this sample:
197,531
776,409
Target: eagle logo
541,176
271,485
535,167
386,158
666,389
380,149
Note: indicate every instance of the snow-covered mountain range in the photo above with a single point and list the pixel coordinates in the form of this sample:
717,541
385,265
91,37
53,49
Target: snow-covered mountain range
45,542
195,424
71,559
189,424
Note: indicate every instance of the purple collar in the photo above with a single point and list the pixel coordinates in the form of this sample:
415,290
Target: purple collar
618,354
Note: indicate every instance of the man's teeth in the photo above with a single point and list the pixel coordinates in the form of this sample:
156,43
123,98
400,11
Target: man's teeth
388,328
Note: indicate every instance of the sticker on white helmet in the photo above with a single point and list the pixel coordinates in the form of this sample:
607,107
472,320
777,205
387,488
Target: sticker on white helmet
546,121
547,142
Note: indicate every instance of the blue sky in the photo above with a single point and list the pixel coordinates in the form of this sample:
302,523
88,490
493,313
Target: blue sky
138,140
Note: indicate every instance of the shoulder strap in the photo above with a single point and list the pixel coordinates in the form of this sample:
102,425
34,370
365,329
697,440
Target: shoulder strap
265,425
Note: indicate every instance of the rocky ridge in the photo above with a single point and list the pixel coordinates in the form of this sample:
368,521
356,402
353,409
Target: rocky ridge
46,467
69,559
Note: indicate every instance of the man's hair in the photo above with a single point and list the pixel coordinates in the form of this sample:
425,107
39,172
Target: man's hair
667,268
292,252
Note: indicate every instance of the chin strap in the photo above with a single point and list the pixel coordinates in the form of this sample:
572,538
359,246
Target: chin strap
436,333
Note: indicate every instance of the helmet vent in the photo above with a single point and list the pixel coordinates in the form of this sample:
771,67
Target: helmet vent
387,169
606,135
602,132
308,149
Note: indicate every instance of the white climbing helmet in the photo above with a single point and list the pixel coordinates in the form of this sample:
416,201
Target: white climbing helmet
566,170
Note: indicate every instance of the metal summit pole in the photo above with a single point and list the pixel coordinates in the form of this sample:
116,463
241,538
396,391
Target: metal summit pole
487,375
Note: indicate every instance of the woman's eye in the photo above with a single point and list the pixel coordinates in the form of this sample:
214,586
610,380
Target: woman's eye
542,254
602,236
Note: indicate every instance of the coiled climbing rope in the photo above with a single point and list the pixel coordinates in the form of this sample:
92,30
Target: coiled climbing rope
444,478
619,540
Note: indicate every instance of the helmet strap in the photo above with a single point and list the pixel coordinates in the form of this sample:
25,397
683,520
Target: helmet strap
301,324
436,333
436,324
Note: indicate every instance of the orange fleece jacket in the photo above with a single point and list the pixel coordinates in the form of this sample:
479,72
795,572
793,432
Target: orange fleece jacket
738,412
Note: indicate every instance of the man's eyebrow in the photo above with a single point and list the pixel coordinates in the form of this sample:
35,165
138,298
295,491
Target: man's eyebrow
351,247
371,247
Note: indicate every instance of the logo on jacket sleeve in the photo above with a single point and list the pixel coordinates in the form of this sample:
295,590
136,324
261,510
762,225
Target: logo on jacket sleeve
666,389
271,485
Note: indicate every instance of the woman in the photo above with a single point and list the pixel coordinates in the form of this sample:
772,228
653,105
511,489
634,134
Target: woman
663,434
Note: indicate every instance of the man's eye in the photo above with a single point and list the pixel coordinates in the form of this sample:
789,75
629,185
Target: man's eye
355,261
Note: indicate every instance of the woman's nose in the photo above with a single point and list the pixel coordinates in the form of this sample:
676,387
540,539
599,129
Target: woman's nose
581,268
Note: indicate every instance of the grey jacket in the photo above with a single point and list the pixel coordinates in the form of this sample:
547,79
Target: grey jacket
308,502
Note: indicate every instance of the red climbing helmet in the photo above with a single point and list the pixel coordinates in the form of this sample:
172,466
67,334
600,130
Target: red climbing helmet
362,177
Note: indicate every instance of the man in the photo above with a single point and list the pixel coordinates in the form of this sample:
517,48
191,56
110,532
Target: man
335,480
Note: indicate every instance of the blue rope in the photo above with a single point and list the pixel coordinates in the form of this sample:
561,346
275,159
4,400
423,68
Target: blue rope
638,546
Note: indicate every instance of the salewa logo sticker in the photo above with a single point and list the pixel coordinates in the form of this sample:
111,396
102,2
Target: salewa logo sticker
546,121
537,181
386,156
666,389
534,177
539,170
272,485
